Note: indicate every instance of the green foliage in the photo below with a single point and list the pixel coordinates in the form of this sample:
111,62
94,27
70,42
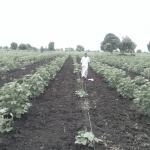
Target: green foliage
148,46
14,97
5,47
138,68
14,45
76,65
86,106
80,48
108,47
41,49
51,46
111,39
140,80
28,46
5,123
127,45
22,46
81,93
80,81
139,51
113,76
143,97
146,73
76,68
86,138
126,87
35,84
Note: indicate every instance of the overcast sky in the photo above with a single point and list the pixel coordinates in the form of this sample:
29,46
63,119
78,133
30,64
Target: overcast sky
72,22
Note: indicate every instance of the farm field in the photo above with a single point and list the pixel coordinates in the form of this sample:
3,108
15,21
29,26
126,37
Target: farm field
57,114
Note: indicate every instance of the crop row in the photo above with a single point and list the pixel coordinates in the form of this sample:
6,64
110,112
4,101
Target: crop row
124,85
138,64
8,64
83,137
128,88
15,97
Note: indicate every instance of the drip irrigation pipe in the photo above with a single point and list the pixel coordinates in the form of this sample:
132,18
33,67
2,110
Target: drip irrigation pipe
3,138
88,111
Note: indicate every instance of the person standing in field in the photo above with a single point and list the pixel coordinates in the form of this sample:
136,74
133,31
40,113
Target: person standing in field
85,62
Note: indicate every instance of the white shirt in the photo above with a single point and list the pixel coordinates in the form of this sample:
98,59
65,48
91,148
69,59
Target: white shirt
85,61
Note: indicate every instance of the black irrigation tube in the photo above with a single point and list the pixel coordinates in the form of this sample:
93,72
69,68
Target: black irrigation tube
88,111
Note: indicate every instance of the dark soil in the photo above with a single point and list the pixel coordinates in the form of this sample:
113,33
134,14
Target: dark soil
117,121
57,115
19,73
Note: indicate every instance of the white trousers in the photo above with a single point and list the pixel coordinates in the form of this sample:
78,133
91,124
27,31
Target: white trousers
84,71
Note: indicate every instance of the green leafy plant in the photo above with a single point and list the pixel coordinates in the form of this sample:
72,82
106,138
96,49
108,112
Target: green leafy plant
76,68
35,84
14,97
140,80
5,123
86,138
86,106
146,73
137,68
80,81
126,87
143,97
113,76
81,93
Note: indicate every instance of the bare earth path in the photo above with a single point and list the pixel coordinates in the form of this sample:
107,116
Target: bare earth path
53,120
116,120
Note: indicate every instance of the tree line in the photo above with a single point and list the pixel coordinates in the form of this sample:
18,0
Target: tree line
111,42
21,46
51,47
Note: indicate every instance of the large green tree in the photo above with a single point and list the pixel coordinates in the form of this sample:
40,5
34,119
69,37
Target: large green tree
127,45
22,46
1,47
51,46
80,48
28,46
148,46
108,47
111,39
14,45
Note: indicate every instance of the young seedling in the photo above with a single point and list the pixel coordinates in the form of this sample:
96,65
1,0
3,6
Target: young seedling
80,81
86,138
76,68
86,106
81,93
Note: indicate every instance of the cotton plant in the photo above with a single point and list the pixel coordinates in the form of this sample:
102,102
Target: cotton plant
86,138
5,123
81,93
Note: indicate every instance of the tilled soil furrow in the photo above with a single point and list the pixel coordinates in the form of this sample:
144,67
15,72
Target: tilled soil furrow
54,119
116,120
19,73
